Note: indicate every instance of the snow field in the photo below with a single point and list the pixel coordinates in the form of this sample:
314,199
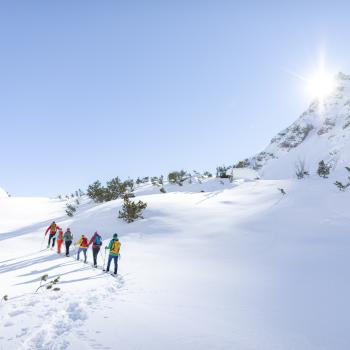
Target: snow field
235,267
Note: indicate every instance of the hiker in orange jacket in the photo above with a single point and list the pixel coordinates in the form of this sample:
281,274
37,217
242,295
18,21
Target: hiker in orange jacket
59,239
52,235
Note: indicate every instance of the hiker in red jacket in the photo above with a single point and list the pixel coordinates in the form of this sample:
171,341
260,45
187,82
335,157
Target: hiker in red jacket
96,241
53,229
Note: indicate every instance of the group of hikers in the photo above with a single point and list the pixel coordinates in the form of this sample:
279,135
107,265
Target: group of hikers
56,235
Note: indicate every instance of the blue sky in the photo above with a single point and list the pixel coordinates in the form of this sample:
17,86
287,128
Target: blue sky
95,89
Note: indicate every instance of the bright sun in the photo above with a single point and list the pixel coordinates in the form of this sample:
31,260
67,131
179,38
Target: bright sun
321,84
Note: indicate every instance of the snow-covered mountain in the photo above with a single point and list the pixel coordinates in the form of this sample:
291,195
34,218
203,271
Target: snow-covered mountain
214,264
322,132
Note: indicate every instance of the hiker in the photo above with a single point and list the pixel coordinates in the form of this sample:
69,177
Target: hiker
68,239
59,240
114,248
96,241
83,246
53,229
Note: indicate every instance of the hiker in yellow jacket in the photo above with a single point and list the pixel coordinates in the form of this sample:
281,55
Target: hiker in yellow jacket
83,246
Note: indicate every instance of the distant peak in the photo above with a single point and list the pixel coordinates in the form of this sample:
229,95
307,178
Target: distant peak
341,76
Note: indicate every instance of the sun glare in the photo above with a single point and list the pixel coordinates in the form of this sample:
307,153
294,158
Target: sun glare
320,82
321,85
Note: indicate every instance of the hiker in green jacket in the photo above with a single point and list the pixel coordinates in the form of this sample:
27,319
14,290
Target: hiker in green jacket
114,248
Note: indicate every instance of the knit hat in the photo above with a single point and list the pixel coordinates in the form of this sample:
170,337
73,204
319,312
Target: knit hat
115,236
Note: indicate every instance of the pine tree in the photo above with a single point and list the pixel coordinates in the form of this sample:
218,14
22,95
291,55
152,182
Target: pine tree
157,181
96,192
178,177
323,169
115,188
70,210
221,172
131,210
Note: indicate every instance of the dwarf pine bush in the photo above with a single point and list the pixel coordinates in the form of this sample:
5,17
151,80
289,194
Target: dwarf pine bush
300,170
221,172
115,189
71,209
323,169
178,177
131,210
342,187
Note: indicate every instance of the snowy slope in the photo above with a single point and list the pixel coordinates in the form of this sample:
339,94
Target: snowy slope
321,133
3,193
234,267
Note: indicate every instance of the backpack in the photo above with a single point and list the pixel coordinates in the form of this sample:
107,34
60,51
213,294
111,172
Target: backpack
68,235
98,240
115,247
53,228
84,242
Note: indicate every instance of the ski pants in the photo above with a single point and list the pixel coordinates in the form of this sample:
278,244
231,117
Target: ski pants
84,252
68,243
95,251
52,236
115,258
59,245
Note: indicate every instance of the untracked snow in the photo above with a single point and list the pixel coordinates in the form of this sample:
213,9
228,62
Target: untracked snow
238,266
